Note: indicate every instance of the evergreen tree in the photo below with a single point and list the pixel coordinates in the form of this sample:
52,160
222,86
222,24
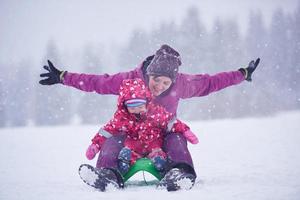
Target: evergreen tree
166,33
277,65
2,105
233,45
294,70
93,108
226,54
192,42
136,51
14,101
19,94
217,49
256,36
256,45
52,103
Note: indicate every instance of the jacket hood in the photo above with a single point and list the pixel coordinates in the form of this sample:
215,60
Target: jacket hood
133,89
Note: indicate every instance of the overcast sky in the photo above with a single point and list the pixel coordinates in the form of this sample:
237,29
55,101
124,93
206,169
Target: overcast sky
26,26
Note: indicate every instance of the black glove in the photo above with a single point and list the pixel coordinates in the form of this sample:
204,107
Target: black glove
250,69
53,76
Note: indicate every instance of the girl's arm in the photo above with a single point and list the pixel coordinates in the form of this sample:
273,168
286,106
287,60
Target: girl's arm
180,127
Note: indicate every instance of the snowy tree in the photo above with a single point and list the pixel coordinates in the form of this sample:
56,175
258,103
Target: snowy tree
166,33
226,54
14,99
217,50
93,107
20,92
2,105
256,36
192,45
233,45
136,51
256,45
52,102
294,43
277,65
192,41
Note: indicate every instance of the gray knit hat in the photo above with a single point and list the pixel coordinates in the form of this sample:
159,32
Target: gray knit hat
165,62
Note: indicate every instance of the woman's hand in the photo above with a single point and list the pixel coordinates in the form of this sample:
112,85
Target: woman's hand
54,75
247,72
191,137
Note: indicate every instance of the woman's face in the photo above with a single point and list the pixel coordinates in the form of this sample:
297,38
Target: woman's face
159,84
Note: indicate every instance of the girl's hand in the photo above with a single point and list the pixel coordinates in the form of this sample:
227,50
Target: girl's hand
92,150
191,137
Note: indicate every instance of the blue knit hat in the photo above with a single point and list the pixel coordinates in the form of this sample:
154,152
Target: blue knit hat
135,102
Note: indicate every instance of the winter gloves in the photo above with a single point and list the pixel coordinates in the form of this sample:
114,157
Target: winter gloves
247,72
92,150
54,76
191,137
127,157
95,147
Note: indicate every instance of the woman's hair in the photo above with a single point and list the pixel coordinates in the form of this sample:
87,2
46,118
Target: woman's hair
145,64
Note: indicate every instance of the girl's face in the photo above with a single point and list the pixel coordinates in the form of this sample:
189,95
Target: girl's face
159,84
137,109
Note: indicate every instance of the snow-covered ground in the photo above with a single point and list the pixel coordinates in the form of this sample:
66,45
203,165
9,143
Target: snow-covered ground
255,158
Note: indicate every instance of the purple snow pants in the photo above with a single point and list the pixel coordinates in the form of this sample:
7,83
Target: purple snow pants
175,146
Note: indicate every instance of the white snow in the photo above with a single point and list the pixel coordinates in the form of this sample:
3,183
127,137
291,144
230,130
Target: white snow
255,158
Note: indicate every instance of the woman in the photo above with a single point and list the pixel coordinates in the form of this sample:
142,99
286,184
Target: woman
160,73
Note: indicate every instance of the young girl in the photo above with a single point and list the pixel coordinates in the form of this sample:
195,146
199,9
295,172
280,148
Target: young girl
144,124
